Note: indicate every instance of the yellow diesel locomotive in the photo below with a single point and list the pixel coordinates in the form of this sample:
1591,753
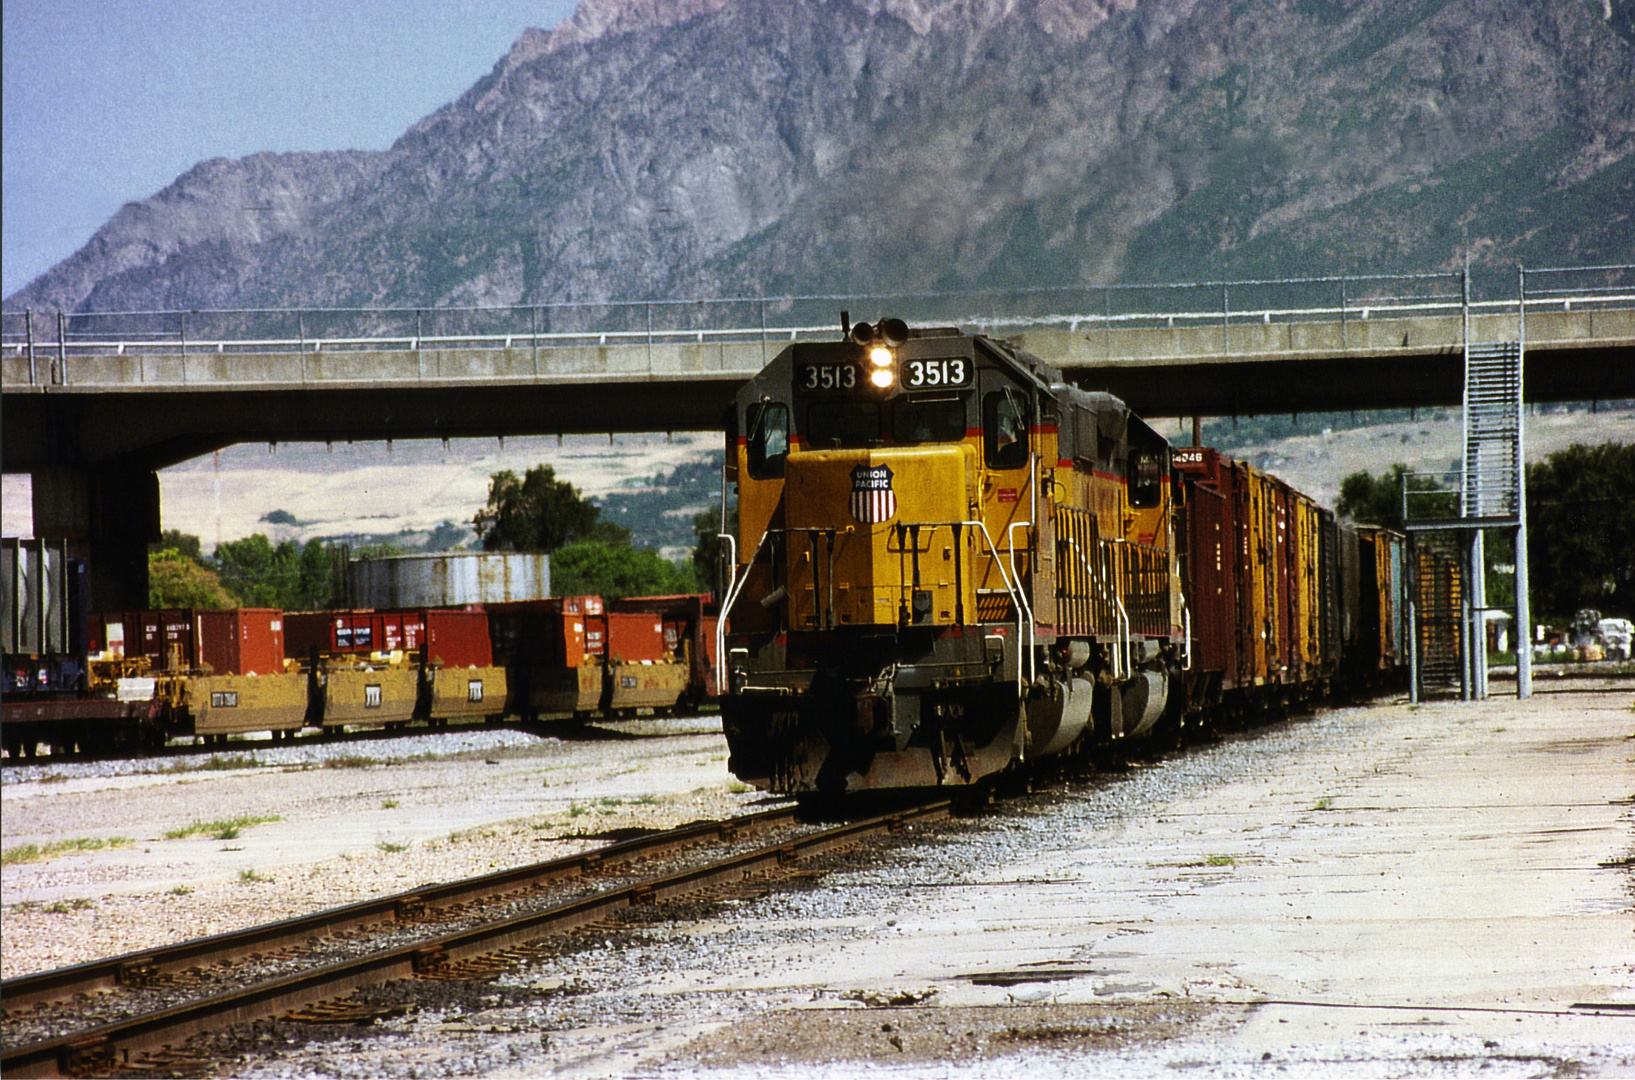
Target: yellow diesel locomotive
946,561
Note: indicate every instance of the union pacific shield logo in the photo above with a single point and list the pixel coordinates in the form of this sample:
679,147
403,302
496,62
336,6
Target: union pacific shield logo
873,500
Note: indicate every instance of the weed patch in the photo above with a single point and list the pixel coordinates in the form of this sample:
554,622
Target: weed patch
352,761
225,829
217,763
28,853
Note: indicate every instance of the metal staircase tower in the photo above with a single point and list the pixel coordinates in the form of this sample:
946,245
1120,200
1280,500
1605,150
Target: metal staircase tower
1492,495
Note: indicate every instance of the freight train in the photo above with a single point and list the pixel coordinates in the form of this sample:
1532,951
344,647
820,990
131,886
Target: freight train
949,563
132,680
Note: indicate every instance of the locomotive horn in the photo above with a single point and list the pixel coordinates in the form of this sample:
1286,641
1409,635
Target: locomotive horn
895,331
862,333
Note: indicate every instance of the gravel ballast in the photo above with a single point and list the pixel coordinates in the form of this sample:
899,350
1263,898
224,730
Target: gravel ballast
338,822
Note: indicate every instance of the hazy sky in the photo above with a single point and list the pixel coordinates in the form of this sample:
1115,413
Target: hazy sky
107,101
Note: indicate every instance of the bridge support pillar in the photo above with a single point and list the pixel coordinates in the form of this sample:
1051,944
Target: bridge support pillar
108,515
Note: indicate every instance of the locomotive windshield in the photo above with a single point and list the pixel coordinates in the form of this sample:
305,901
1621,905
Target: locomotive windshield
831,424
768,439
934,420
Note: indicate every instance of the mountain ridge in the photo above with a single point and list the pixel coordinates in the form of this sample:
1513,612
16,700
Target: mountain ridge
740,147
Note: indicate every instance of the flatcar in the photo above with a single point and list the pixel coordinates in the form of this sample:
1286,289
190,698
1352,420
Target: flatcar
950,562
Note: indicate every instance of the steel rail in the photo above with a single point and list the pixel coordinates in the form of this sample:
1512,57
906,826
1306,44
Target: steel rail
114,1042
28,991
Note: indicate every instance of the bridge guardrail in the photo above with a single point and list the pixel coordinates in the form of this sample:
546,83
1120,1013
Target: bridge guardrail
180,347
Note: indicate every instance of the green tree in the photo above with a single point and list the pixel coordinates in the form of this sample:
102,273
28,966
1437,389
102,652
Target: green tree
185,545
615,570
287,576
177,580
1581,531
320,579
538,512
256,572
708,551
1370,500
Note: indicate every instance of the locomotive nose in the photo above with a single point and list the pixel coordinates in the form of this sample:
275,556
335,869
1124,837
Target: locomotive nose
877,537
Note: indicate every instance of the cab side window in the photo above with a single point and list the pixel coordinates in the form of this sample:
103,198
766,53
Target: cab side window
768,442
1146,478
1005,429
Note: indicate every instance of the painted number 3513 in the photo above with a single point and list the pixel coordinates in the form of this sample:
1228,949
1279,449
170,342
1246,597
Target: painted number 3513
828,377
946,372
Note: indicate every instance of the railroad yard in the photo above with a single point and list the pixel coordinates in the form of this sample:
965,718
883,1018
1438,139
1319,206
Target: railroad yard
1377,890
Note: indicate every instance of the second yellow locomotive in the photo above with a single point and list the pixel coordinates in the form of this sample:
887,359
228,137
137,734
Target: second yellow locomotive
947,560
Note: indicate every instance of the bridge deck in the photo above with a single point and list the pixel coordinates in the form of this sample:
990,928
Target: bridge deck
158,403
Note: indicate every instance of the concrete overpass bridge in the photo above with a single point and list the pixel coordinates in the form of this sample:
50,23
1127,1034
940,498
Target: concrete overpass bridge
95,403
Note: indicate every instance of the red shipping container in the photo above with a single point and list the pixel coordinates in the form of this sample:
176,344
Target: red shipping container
634,636
556,631
689,622
352,632
458,638
240,641
305,631
164,637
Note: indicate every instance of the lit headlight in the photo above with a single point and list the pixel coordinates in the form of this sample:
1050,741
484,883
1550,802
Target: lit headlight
880,356
882,377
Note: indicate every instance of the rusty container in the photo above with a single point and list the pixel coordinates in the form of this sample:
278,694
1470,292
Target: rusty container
240,641
634,637
351,633
165,638
457,638
552,651
689,626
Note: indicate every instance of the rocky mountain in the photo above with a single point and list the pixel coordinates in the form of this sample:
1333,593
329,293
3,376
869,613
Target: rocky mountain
647,148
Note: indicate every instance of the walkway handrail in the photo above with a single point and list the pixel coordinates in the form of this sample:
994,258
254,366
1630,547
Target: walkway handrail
748,321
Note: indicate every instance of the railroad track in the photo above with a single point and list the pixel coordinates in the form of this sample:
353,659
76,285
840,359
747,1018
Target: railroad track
153,1039
595,729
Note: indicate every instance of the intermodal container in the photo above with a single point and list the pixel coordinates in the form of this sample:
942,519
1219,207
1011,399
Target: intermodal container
240,641
634,637
457,638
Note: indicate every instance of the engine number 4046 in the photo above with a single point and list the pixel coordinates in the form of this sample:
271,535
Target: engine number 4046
938,371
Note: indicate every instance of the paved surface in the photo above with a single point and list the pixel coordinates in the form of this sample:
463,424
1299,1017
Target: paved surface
1426,891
